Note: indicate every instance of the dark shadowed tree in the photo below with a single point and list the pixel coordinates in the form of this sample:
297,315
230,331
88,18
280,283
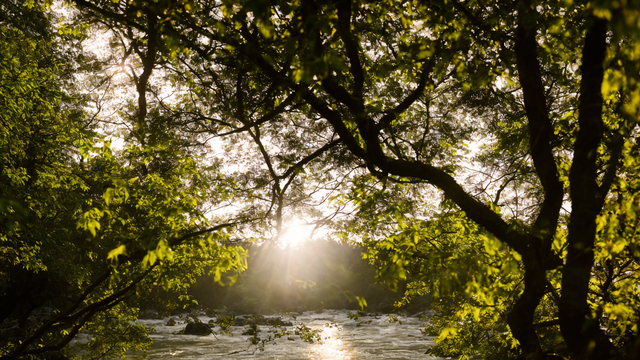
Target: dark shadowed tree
84,229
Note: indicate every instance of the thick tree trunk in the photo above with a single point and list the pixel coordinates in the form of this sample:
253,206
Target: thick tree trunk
579,328
537,256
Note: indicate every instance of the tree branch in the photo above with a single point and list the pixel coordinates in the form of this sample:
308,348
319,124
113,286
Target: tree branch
611,172
300,164
413,97
344,28
540,129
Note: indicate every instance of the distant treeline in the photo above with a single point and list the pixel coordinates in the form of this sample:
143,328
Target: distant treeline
317,275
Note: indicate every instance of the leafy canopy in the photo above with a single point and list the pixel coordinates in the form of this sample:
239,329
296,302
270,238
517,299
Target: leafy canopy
485,151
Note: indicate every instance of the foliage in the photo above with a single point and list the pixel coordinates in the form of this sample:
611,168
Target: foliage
85,229
482,151
470,274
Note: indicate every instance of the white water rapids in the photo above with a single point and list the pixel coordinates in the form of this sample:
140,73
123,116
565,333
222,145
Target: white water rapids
368,337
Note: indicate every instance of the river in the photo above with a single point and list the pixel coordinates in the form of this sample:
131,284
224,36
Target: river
367,337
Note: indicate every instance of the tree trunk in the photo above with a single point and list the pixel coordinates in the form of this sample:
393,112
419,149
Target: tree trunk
520,318
579,328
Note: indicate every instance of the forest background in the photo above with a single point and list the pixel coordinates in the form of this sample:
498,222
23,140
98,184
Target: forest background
318,275
483,152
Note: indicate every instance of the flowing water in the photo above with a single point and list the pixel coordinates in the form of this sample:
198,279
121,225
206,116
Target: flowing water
368,337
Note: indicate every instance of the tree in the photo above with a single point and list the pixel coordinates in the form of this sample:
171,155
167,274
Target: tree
549,87
87,230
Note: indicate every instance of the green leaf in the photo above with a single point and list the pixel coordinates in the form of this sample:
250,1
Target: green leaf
113,254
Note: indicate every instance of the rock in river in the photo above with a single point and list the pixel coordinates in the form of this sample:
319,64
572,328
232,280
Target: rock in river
197,329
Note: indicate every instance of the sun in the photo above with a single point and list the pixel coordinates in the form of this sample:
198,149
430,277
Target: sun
295,234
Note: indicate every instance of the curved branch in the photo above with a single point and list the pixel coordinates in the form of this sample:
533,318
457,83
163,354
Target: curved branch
412,98
300,164
82,315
